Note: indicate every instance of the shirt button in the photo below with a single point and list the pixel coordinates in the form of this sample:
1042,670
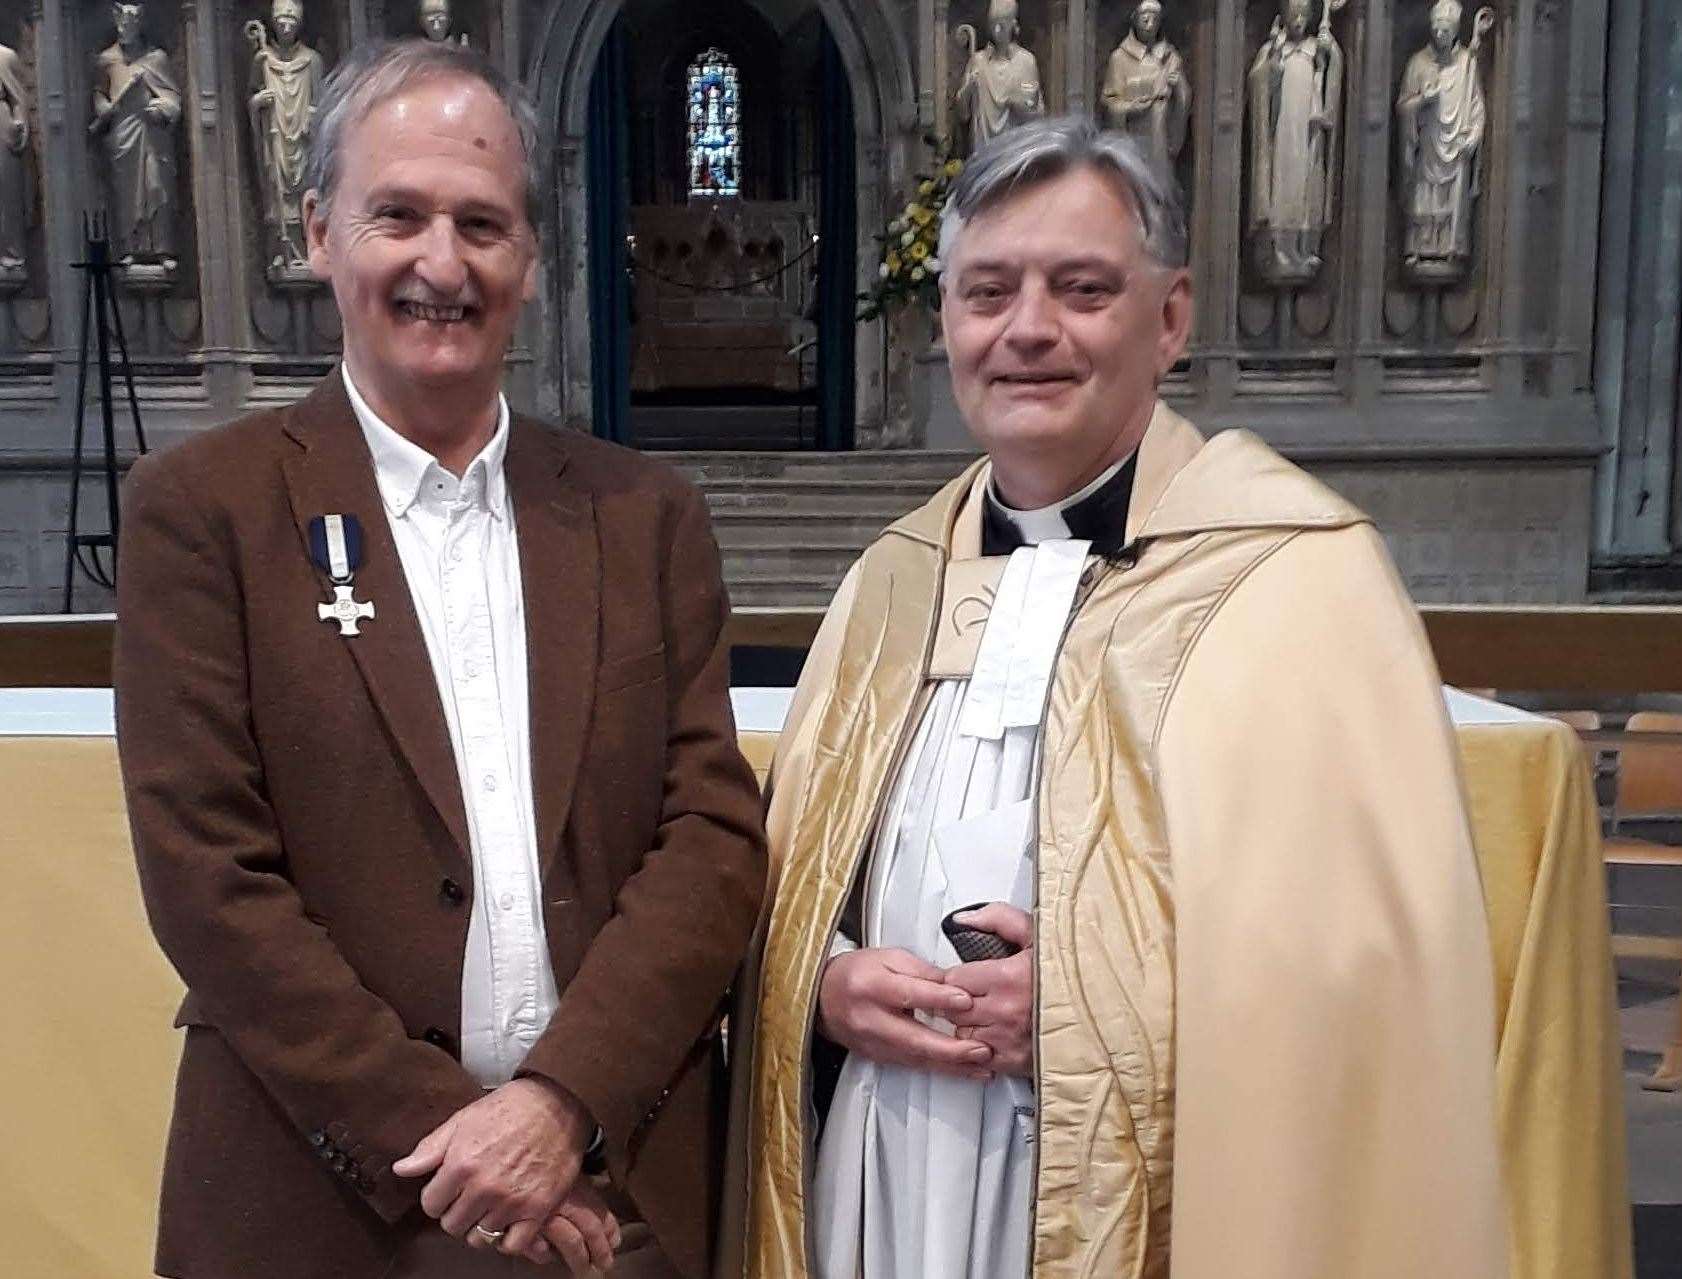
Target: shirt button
506,901
471,669
455,554
490,781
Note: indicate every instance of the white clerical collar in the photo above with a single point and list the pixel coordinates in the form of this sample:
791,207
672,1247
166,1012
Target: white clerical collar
1047,523
405,471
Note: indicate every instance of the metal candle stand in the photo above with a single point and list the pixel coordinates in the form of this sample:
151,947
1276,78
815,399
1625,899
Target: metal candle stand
98,302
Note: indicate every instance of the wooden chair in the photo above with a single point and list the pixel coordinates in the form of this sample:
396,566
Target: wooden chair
1649,786
1582,721
1655,722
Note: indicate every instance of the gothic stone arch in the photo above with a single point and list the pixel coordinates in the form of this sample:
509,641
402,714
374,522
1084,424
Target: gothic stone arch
562,58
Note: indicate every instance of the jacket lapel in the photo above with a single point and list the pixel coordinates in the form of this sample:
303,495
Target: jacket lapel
560,574
332,472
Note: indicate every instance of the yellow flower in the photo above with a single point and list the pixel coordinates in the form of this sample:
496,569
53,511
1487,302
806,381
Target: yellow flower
893,261
919,251
925,188
954,168
922,217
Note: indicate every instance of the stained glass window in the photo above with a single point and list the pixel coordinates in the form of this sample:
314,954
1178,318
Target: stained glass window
715,150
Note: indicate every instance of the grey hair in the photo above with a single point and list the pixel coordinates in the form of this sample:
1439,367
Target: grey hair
379,69
1038,150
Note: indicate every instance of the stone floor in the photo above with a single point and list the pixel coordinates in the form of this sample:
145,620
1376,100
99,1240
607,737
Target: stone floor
1647,1000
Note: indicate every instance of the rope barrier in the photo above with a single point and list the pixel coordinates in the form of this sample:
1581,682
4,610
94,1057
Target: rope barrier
725,288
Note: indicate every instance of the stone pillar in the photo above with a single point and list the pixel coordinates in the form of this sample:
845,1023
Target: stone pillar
1638,532
1512,121
213,122
1370,200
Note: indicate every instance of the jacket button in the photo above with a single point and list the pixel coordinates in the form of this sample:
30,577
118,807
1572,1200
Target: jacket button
438,1038
318,1139
449,892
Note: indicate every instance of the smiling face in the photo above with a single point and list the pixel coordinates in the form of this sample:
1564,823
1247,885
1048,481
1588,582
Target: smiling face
1059,327
426,243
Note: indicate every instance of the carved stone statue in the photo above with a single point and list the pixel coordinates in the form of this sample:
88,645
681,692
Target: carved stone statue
136,107
1296,93
1439,135
1146,93
437,24
1001,84
15,198
286,77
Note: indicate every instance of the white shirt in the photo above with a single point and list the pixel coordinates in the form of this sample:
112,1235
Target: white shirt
456,541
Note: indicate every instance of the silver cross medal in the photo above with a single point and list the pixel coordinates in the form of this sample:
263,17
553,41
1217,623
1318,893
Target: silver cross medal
345,609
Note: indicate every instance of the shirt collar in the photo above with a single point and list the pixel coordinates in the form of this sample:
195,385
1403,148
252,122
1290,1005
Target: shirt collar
404,470
1097,513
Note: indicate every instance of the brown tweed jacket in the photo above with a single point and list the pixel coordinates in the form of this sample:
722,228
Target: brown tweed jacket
303,847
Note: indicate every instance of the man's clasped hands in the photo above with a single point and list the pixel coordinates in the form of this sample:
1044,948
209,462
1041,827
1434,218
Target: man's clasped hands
869,1000
504,1174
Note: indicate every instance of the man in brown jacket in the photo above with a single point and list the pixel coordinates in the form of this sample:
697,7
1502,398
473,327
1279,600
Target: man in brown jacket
424,723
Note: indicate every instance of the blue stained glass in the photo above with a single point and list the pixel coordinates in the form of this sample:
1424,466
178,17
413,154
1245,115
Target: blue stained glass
714,150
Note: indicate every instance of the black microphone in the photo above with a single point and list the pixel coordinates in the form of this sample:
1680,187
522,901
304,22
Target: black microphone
972,944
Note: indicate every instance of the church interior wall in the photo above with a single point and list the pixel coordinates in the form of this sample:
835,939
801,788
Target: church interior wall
1504,421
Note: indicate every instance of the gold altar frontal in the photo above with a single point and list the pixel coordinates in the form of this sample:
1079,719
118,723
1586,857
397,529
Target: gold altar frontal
89,1070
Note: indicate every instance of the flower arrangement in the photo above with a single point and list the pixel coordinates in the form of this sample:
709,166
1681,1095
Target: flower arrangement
909,268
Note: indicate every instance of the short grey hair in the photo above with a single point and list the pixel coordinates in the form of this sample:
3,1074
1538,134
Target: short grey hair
380,69
1038,150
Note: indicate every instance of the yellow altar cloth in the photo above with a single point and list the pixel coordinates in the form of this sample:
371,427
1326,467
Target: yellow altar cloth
87,1077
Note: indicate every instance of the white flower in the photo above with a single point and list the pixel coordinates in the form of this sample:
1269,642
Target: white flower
896,226
934,264
882,271
908,237
916,273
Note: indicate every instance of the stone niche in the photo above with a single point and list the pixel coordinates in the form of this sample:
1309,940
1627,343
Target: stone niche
157,278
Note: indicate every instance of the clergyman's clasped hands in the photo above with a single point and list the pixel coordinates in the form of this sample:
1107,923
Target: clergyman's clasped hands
503,1173
869,1000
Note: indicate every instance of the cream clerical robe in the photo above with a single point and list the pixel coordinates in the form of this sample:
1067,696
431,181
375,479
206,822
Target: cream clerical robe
1264,1015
